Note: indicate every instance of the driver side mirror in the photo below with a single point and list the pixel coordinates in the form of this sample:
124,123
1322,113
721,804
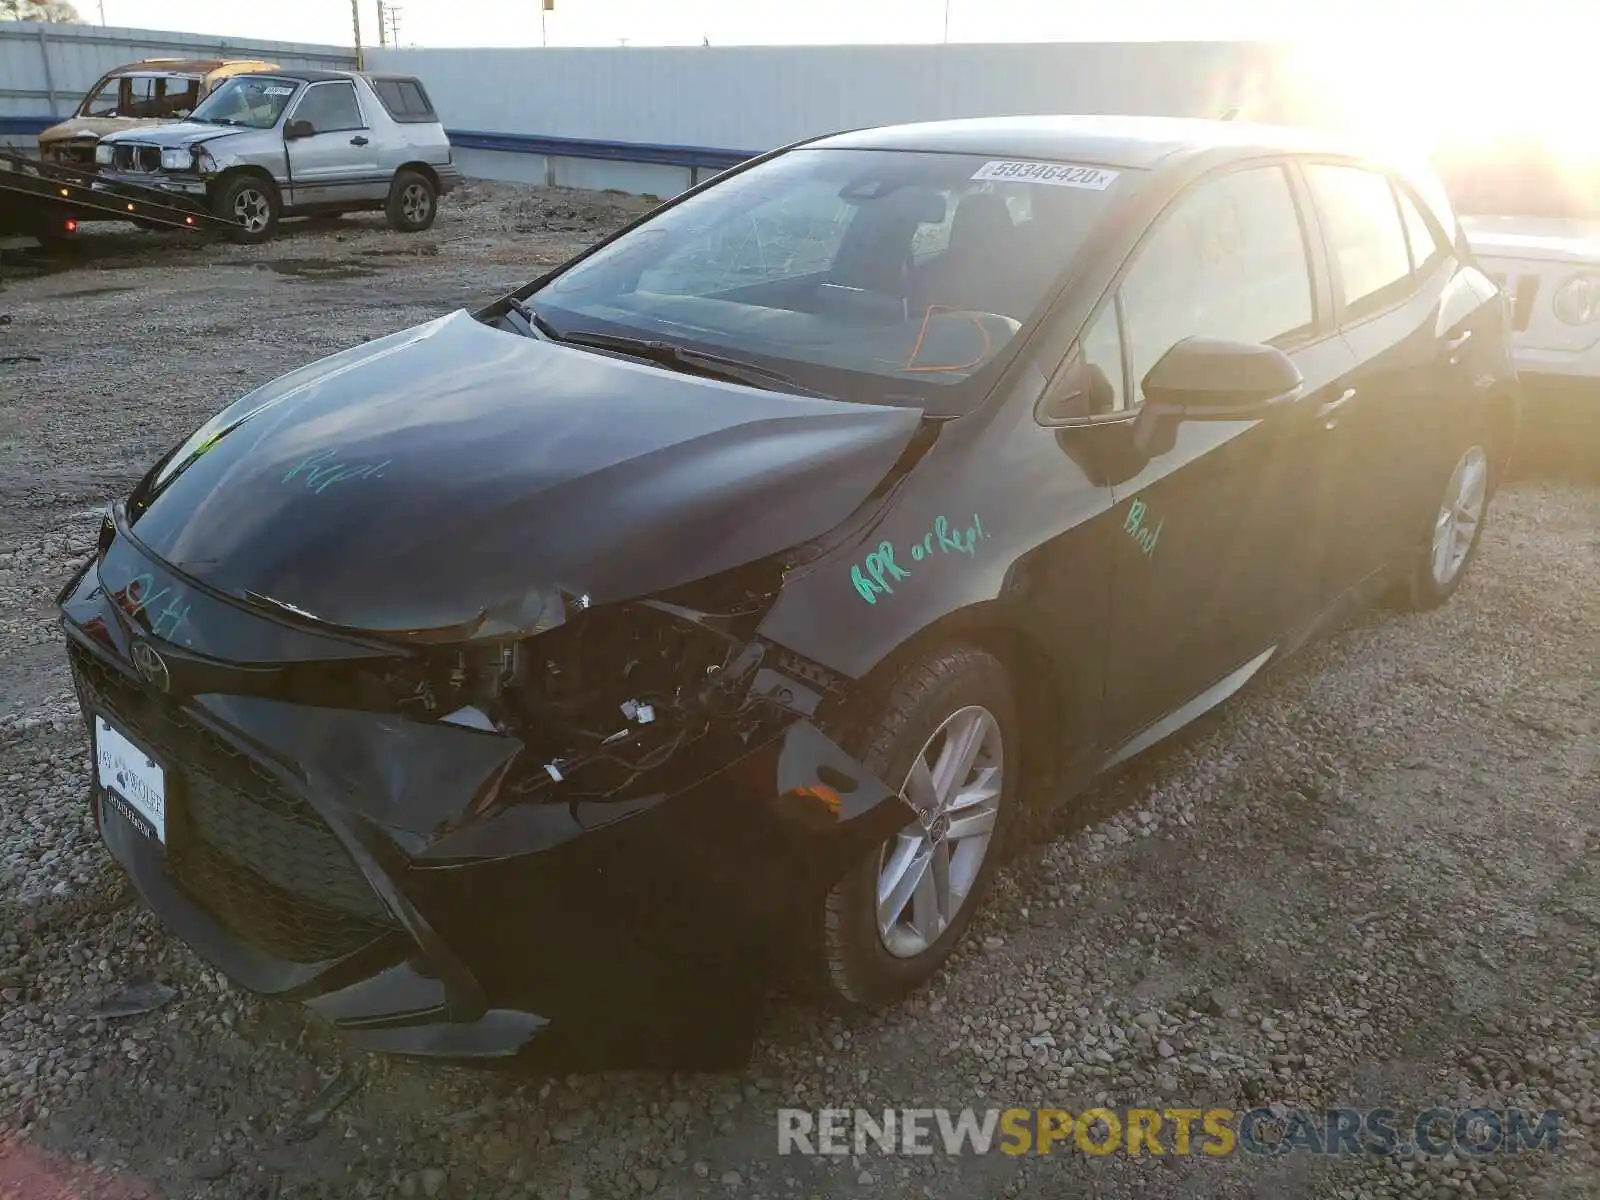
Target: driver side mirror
1208,379
298,129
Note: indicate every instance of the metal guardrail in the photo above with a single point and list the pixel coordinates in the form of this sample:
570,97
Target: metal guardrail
26,125
693,157
704,157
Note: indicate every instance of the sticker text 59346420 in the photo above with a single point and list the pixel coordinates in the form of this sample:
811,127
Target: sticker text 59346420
1005,170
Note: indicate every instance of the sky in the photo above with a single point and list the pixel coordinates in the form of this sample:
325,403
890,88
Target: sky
729,22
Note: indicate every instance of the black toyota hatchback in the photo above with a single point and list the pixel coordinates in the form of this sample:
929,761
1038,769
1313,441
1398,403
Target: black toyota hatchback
542,680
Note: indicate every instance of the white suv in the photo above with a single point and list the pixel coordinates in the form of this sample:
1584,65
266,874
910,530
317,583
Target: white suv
1531,213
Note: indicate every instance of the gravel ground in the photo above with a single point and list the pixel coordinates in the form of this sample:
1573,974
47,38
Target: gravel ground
1370,881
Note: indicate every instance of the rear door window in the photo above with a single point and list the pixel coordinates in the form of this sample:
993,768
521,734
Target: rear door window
404,98
144,97
1227,260
179,96
1366,239
1427,251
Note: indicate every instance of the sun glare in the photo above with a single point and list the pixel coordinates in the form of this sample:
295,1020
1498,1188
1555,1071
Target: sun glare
1411,98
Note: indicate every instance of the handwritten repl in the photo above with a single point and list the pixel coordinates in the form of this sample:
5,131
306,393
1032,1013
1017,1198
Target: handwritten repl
878,574
319,474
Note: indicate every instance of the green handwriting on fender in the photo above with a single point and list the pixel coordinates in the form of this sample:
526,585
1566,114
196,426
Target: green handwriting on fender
1140,532
319,474
878,574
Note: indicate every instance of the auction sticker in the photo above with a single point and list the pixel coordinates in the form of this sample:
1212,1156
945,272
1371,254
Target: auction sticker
1056,174
278,91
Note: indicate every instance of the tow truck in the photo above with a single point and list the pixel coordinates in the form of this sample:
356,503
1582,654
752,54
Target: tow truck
48,202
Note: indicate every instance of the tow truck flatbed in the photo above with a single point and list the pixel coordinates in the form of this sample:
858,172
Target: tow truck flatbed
49,200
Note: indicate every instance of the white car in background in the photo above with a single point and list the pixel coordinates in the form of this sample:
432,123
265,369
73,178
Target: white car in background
1531,213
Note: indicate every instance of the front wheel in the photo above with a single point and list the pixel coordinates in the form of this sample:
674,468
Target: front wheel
251,204
947,732
1447,548
413,202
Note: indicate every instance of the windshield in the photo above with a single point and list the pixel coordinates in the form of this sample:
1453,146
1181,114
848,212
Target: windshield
256,101
1520,178
847,269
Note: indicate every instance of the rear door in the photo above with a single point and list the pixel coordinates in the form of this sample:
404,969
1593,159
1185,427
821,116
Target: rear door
339,161
1212,563
1386,435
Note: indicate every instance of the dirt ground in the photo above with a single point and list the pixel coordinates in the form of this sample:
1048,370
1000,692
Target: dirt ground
1374,879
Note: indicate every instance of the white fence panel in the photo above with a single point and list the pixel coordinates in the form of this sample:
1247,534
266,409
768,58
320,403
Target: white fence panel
45,69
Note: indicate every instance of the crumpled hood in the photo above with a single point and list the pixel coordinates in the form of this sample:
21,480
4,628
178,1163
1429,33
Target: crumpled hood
454,470
177,133
99,127
1554,239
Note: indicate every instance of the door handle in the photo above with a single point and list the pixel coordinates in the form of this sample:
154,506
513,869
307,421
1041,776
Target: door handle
1327,410
1455,344
358,140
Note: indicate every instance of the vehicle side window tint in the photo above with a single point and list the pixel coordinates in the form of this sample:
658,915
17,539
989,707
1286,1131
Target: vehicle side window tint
1426,249
389,92
1365,237
1227,260
404,98
415,99
330,107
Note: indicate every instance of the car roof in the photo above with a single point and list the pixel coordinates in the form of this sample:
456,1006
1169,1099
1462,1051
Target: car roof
304,75
198,66
1115,141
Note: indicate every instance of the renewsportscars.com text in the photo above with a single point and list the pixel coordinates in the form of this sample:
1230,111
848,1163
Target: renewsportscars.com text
1213,1132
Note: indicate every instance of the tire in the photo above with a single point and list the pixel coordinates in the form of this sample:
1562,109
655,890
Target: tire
855,963
1450,542
252,204
413,202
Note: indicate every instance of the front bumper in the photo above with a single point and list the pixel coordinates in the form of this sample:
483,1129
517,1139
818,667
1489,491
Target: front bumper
180,184
322,855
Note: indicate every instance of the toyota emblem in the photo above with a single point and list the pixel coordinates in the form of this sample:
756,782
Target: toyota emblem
151,666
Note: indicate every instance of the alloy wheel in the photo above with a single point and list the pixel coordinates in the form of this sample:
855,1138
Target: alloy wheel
1462,509
927,871
251,209
415,203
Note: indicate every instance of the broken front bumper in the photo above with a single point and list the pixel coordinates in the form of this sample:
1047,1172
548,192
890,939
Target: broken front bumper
327,856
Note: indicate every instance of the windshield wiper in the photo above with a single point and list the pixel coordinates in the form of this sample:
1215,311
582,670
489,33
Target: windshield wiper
528,314
695,362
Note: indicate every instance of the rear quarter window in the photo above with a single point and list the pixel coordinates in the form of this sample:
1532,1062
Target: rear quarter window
404,99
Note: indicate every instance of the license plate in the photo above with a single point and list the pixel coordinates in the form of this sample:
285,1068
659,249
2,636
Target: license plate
133,783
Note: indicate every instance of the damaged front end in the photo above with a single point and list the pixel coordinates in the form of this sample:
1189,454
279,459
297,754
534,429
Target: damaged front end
588,842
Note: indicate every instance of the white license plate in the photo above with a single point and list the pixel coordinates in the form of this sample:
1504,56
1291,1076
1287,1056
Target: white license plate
128,774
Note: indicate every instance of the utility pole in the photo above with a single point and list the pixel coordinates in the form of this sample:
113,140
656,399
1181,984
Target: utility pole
355,23
102,12
544,7
388,24
947,21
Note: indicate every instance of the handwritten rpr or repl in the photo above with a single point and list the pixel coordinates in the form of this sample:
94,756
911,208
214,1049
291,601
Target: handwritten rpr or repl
880,571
